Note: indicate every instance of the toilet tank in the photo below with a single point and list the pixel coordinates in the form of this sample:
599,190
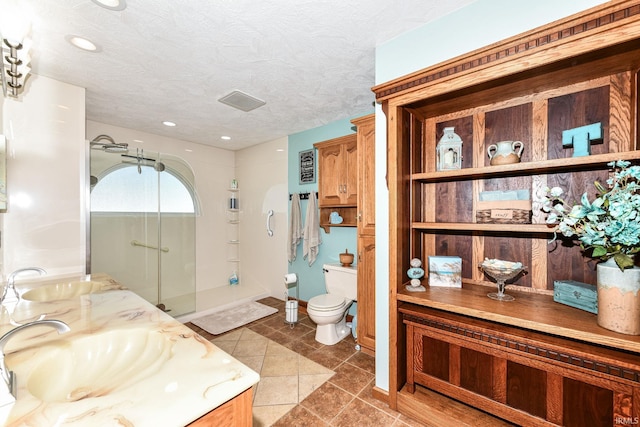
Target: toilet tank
341,280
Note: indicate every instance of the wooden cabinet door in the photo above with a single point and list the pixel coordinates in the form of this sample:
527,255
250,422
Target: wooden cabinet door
350,173
330,165
338,171
366,327
366,175
235,412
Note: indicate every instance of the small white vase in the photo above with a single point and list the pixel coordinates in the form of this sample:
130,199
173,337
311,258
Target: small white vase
618,298
505,152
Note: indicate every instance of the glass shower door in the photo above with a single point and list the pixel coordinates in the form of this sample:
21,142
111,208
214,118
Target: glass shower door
143,226
177,237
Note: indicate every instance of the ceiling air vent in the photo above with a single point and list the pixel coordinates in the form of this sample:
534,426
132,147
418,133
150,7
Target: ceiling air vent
242,101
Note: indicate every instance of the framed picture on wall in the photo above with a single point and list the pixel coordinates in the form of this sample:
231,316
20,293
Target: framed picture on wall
307,166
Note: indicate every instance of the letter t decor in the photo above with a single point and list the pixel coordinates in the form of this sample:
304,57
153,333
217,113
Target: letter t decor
581,138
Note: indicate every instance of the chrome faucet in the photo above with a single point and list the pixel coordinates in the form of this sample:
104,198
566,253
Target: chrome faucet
8,383
10,294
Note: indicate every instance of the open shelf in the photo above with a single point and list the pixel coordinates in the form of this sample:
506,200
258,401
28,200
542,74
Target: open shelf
348,214
501,228
548,316
526,168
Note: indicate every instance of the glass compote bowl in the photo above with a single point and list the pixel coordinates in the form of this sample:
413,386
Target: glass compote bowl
502,273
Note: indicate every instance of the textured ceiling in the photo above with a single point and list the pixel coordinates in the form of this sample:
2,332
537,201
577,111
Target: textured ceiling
312,61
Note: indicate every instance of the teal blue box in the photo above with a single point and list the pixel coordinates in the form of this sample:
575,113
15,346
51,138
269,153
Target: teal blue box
576,294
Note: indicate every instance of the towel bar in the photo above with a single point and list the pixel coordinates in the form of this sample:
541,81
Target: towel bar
144,245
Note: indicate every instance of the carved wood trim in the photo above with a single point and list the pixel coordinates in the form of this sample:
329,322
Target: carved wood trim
526,44
520,346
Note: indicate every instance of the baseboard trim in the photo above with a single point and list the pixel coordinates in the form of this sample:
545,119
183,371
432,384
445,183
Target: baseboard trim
380,394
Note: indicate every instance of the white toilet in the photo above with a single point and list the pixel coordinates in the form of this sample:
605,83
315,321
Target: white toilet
329,311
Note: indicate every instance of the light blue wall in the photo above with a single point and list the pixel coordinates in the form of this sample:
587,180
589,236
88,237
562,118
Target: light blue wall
310,278
476,25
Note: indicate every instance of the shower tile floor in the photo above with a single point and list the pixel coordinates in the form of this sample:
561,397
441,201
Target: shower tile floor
212,300
303,382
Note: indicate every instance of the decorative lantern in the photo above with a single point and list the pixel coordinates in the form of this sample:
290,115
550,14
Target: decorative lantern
449,151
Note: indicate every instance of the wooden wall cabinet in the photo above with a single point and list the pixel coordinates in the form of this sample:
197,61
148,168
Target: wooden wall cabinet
366,219
571,73
338,180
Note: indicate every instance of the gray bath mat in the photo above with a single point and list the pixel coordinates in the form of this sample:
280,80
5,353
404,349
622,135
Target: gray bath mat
234,317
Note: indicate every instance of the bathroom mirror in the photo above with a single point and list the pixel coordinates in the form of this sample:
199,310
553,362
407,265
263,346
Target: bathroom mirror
3,174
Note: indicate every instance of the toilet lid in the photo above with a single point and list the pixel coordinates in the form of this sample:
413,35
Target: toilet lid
327,302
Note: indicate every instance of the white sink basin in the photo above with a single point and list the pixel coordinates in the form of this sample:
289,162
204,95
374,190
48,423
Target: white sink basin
97,365
61,291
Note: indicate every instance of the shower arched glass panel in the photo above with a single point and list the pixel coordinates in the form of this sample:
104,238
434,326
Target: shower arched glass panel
142,224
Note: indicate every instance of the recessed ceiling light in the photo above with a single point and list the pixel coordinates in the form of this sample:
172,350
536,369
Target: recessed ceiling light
111,4
168,123
226,138
82,43
138,140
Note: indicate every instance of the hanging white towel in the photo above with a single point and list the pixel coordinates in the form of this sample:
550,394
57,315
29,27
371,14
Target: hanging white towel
311,231
295,227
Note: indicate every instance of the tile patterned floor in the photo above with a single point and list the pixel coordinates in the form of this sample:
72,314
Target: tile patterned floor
286,377
303,382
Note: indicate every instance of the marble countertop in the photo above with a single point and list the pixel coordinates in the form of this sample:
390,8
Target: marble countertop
172,375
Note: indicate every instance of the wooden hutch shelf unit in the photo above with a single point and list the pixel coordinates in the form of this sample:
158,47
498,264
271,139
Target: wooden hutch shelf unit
531,361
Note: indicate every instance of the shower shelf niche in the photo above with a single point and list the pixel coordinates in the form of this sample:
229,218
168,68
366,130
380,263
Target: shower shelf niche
233,219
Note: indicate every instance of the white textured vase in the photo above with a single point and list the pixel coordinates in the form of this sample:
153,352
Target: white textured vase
618,298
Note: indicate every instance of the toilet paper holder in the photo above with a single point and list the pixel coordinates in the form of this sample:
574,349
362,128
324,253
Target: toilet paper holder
291,305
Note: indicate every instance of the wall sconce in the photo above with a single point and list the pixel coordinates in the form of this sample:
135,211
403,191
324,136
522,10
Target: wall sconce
15,66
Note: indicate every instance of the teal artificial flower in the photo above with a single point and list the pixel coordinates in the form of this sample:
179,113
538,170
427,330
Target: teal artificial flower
607,227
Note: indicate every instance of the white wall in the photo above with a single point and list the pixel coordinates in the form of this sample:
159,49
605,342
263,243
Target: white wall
44,222
262,177
476,25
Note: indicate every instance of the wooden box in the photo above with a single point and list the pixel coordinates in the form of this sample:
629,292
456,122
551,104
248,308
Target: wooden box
576,294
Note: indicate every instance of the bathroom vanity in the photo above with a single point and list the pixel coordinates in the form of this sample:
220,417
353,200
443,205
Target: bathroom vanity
124,362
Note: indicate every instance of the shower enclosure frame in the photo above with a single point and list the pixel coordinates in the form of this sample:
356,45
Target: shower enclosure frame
158,218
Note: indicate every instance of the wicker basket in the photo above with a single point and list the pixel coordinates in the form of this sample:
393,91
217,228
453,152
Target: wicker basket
504,212
503,216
